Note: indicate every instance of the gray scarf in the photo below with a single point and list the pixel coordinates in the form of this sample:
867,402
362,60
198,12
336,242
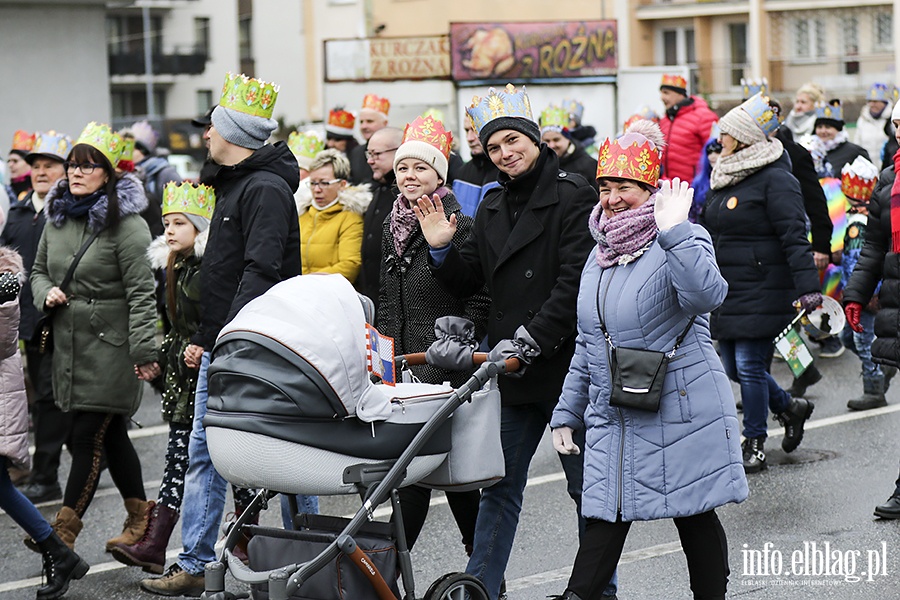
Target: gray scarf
734,168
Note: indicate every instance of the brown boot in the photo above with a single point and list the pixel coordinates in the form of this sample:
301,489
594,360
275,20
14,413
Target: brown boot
67,526
135,523
150,551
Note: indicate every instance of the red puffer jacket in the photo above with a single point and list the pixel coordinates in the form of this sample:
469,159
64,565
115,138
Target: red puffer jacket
686,135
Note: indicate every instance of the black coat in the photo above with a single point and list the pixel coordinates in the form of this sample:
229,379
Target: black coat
411,299
576,160
360,171
876,263
383,195
22,233
254,236
814,201
759,232
844,154
532,266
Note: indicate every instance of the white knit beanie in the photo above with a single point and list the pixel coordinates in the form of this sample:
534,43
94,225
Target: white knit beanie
426,153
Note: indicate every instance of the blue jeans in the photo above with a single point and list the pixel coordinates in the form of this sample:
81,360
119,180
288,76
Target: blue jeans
747,362
305,504
19,508
861,343
521,429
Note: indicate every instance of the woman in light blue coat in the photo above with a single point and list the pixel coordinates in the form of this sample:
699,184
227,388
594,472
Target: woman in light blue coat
651,272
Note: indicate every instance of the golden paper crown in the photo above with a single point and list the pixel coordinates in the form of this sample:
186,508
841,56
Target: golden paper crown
305,144
554,118
676,81
103,138
430,131
376,103
50,143
22,141
858,179
249,95
508,102
631,156
190,198
340,122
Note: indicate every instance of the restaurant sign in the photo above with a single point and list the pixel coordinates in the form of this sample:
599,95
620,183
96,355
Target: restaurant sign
387,59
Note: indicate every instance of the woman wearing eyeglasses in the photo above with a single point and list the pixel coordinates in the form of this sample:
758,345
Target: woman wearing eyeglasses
104,323
331,217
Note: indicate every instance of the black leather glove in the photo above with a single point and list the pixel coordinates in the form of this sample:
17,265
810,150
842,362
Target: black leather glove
522,347
455,344
9,287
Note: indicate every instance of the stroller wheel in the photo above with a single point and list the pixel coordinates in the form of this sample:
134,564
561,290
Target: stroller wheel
457,586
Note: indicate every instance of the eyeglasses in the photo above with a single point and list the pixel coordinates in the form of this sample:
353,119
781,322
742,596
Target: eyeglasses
374,155
86,168
322,183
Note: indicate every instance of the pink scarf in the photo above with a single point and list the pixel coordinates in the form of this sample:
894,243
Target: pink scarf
404,222
622,238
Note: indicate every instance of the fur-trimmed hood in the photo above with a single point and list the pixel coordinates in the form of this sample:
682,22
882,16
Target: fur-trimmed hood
354,198
158,251
130,192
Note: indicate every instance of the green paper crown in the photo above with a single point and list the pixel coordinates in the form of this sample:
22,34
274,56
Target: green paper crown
305,144
104,139
554,118
190,198
249,96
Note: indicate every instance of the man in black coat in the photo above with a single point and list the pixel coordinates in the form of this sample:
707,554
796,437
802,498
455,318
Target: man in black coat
372,117
529,244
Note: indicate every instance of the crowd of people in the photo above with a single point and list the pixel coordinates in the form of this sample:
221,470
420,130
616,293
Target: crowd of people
686,235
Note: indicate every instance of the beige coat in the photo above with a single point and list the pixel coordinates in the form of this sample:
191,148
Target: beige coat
13,401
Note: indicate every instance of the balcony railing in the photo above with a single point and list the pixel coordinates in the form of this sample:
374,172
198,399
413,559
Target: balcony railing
191,62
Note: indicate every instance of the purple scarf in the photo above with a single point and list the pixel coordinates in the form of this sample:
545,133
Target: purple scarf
623,237
404,222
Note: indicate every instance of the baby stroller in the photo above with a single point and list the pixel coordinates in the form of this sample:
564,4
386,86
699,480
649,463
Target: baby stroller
292,409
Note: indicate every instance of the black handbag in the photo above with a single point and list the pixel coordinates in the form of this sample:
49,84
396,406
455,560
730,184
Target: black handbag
638,374
43,329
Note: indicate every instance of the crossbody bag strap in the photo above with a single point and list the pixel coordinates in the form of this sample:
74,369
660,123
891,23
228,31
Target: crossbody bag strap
68,278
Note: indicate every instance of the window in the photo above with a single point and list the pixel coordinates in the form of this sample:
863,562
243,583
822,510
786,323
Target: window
677,47
689,51
808,41
125,34
201,35
204,101
884,30
245,38
131,104
670,47
737,33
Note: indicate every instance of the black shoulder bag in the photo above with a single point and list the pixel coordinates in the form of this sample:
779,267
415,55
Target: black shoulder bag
637,374
43,329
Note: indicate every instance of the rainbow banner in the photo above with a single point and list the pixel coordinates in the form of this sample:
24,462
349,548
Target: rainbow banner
837,210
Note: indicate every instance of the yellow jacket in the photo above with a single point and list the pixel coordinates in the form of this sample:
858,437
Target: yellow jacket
331,239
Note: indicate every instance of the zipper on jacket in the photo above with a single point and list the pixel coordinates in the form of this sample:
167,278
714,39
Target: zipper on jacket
619,485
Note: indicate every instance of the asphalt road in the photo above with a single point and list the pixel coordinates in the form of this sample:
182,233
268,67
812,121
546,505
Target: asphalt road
821,494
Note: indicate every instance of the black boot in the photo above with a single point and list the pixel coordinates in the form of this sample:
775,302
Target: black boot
809,377
61,566
873,394
889,373
793,420
754,457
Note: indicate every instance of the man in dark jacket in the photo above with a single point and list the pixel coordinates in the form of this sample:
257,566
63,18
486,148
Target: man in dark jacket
475,177
373,116
528,244
572,157
254,243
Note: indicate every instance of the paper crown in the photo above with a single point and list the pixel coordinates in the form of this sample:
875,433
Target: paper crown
305,144
126,158
832,111
190,198
554,118
376,103
757,106
437,113
22,141
751,87
644,112
430,131
340,122
633,156
507,102
249,95
50,143
882,92
858,179
575,108
675,81
104,139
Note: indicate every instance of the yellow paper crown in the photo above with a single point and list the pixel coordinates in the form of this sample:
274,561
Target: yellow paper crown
103,138
249,95
376,103
430,131
554,118
508,102
190,198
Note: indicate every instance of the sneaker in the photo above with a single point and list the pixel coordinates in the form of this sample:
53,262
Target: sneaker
175,582
831,348
754,457
793,420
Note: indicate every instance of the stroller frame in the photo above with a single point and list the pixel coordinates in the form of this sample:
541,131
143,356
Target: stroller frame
378,484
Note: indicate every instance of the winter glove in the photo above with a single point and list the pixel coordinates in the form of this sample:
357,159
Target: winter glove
522,346
673,202
809,302
853,310
9,287
455,343
562,441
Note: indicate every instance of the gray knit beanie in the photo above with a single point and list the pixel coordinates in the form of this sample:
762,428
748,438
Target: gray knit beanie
201,223
741,126
520,124
242,129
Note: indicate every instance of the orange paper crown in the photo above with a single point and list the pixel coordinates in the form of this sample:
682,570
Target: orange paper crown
856,187
676,81
340,122
23,141
631,156
431,131
376,103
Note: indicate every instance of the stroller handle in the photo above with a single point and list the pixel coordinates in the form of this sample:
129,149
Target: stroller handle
511,365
